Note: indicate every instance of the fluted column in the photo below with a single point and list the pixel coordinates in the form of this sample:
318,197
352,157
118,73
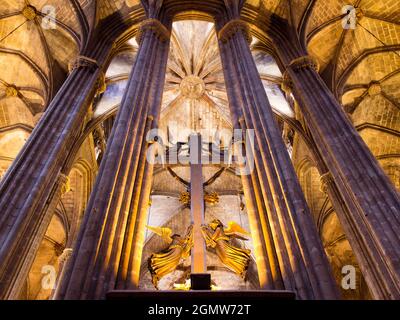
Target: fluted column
93,268
269,273
372,218
130,266
31,180
302,260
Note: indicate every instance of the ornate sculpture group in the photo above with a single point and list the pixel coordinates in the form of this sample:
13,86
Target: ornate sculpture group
209,198
216,238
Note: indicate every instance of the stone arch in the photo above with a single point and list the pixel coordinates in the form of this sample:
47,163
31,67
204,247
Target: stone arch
81,181
334,240
391,166
340,254
310,182
44,270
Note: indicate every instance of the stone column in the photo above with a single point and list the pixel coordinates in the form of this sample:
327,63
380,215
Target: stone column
302,260
134,238
129,269
92,270
269,273
30,181
372,218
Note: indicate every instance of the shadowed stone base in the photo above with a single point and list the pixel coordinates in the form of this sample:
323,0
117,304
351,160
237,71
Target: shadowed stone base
200,281
217,297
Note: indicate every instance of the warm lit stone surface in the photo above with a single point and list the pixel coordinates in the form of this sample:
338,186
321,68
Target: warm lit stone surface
192,87
359,66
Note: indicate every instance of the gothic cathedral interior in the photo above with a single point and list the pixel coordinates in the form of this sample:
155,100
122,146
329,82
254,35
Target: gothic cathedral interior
219,145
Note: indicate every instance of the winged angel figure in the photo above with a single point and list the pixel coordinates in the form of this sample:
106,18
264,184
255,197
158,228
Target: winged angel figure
165,262
219,238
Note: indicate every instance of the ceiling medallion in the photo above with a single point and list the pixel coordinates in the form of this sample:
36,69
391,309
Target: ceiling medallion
29,12
374,88
192,87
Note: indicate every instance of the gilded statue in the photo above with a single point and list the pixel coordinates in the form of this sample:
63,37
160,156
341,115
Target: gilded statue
166,262
220,239
209,198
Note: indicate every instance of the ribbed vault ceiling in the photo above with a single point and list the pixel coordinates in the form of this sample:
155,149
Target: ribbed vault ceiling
355,60
34,59
361,63
195,97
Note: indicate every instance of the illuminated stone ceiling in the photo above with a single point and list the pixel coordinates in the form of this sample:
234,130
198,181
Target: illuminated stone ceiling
362,64
370,52
32,57
194,93
195,98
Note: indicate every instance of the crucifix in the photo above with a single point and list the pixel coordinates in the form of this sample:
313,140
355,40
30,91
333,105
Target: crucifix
199,236
193,243
200,280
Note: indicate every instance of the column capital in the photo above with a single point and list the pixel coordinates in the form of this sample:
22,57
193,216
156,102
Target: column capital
325,179
232,27
287,84
64,183
154,25
101,84
83,62
295,65
303,62
65,255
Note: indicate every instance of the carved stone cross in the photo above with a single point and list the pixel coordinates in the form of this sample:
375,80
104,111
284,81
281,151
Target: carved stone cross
197,205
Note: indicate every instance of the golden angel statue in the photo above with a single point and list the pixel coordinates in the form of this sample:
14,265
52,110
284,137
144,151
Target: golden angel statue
165,262
236,259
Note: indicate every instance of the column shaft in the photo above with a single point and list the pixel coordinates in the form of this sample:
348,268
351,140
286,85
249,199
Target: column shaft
129,268
269,273
302,260
93,268
140,210
30,181
372,218
266,259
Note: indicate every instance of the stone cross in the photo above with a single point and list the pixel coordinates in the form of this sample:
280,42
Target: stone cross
197,204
